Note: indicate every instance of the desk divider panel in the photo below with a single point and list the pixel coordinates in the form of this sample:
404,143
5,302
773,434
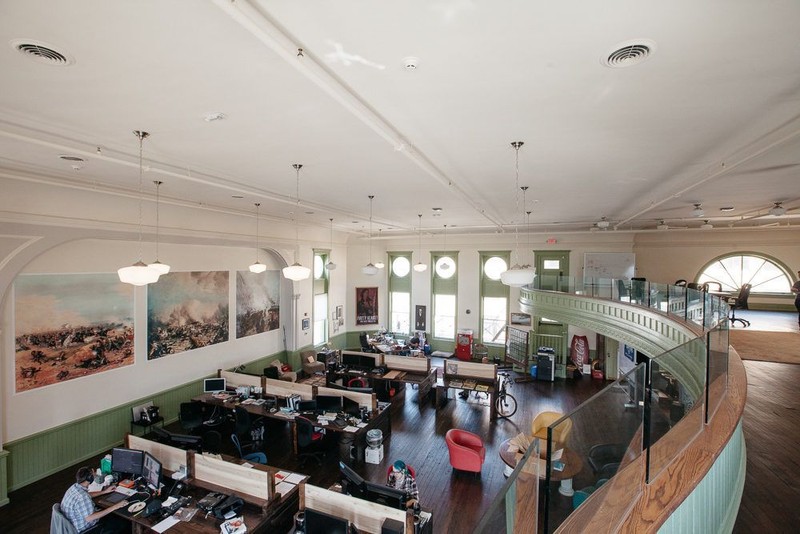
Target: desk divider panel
481,371
243,480
408,364
368,400
375,356
281,388
171,458
367,516
241,379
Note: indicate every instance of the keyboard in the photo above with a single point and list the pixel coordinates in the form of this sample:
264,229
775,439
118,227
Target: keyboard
125,491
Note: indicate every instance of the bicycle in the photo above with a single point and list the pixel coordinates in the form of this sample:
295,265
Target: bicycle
505,404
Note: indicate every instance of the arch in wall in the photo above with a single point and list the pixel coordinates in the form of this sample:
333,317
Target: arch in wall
731,276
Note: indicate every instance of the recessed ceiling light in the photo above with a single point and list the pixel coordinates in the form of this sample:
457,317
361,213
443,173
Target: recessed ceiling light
214,116
726,208
436,209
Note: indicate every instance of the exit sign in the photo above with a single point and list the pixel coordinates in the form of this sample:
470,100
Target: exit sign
552,241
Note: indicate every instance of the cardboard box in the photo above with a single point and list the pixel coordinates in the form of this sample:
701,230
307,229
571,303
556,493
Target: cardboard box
373,456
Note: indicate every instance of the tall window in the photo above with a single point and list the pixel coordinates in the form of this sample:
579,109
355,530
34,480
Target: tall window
494,297
766,275
400,292
320,311
444,287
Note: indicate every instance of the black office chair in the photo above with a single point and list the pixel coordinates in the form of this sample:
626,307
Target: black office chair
739,302
695,286
255,456
712,286
272,372
212,442
309,441
248,430
365,346
191,416
680,283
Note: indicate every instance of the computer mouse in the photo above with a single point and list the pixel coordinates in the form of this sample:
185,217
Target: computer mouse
273,410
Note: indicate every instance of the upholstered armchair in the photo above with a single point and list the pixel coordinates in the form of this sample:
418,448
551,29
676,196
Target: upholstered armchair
560,433
308,358
466,450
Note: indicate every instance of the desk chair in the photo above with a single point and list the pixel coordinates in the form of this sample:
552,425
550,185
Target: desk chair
244,426
712,286
257,457
356,382
212,442
308,359
309,441
191,416
680,283
695,286
560,433
739,302
59,524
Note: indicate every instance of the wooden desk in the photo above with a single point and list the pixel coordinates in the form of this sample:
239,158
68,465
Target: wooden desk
443,384
573,464
424,381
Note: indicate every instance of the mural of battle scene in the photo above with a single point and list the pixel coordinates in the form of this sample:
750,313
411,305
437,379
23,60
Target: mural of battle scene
258,302
70,325
186,311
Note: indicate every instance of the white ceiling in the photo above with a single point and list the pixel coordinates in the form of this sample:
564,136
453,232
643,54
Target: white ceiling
711,117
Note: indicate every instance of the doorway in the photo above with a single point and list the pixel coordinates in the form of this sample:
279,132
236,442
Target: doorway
552,269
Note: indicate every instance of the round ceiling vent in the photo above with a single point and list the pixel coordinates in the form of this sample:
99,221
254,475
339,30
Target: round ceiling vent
42,52
629,54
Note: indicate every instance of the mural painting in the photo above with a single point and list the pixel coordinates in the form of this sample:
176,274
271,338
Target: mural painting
258,302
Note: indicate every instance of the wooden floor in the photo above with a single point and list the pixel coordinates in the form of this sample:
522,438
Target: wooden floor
771,500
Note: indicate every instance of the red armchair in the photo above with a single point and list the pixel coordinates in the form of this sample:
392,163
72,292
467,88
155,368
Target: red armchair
466,450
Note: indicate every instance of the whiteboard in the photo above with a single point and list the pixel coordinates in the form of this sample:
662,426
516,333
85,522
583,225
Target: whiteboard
617,265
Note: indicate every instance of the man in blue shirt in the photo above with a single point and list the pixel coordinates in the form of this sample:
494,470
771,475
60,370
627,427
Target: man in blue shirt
78,506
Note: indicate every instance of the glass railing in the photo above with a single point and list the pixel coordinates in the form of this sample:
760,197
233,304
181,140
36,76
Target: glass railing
624,434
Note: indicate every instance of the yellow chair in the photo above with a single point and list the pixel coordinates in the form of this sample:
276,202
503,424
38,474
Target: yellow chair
560,433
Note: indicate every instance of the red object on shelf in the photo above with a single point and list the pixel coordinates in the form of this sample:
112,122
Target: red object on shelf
464,345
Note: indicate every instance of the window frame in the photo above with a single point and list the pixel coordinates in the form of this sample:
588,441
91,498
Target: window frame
399,284
321,286
488,288
444,286
782,267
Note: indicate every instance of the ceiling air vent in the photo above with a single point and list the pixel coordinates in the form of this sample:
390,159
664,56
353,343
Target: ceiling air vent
42,52
629,54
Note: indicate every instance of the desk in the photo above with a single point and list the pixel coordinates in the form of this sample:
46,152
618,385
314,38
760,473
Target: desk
480,386
351,444
145,425
424,381
573,464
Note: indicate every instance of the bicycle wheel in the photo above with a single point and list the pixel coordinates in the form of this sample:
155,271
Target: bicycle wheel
506,406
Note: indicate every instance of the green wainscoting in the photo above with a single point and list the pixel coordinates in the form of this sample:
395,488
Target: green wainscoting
3,477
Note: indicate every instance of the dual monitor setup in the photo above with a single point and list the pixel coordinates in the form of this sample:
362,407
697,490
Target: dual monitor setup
135,464
355,486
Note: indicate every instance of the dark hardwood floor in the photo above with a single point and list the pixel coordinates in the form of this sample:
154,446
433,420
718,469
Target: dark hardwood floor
458,500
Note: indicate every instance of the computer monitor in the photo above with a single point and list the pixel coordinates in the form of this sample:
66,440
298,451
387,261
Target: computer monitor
128,461
306,406
187,441
151,471
329,403
322,523
351,407
385,495
352,483
214,385
351,360
361,390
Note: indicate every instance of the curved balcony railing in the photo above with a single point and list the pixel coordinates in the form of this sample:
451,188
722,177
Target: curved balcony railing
628,434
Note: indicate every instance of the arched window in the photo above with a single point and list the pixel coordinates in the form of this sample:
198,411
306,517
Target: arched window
766,275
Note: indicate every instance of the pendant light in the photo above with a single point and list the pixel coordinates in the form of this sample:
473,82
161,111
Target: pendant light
379,264
296,271
257,267
330,265
445,266
370,269
518,275
420,267
139,274
162,268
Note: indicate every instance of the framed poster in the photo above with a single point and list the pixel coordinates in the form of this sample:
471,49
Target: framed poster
366,305
419,318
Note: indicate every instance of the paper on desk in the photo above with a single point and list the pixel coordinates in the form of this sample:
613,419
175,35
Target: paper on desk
294,478
350,428
280,475
284,488
165,524
362,425
169,501
247,464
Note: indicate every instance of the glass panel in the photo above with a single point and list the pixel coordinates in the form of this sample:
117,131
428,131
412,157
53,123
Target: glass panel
444,320
401,266
717,383
676,304
694,306
675,403
319,267
495,311
445,267
320,334
551,264
600,439
493,267
401,312
659,296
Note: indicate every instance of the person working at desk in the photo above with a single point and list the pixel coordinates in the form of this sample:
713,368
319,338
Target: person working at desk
78,506
400,477
796,291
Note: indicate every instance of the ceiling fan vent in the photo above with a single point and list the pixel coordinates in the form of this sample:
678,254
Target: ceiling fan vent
42,52
629,54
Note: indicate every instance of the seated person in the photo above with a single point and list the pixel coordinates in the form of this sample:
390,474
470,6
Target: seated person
413,343
78,507
400,477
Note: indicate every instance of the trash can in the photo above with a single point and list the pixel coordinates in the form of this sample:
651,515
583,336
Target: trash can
533,370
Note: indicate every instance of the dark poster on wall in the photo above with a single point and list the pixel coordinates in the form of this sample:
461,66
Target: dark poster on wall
366,305
419,318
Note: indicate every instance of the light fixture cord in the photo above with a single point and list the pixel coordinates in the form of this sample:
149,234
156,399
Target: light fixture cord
158,221
257,232
329,258
516,145
370,227
140,135
419,238
527,220
297,167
